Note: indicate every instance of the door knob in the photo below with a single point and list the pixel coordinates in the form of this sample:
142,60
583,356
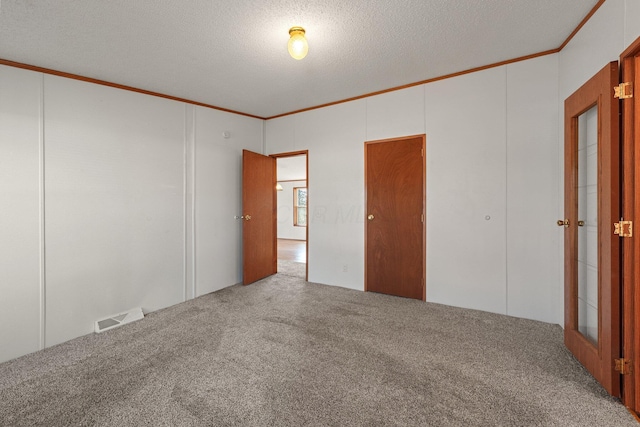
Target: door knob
247,217
564,223
580,223
370,217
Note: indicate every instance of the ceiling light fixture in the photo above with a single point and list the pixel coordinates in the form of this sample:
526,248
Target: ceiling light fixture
298,46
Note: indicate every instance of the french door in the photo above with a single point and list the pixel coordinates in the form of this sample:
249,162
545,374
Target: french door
630,65
592,206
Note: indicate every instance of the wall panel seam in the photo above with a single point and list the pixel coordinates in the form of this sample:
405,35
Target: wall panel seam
506,189
41,215
192,145
185,223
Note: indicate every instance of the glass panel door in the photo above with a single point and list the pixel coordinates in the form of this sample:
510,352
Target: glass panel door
592,205
587,260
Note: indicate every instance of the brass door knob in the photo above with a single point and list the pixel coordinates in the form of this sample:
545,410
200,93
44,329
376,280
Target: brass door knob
562,222
370,217
247,217
580,223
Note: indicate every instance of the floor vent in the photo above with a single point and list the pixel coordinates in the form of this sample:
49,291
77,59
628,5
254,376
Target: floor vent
118,320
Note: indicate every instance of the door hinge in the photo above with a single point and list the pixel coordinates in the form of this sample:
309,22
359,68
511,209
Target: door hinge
422,152
623,228
422,218
623,366
623,91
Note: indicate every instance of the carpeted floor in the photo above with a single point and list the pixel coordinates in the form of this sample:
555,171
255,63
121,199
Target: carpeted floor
291,268
283,352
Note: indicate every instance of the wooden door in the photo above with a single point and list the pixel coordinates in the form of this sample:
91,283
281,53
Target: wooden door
630,63
395,222
592,205
259,245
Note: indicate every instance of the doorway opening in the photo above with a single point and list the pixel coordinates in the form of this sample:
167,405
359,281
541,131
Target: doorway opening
292,213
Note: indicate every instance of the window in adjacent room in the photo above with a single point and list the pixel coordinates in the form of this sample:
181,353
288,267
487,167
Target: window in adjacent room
300,206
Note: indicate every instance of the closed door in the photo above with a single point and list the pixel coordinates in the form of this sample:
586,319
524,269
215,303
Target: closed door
395,222
259,246
592,205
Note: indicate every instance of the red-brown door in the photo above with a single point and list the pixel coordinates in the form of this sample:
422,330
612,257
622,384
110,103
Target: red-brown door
630,64
259,246
592,205
395,222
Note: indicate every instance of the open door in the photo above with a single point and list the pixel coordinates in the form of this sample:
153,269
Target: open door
259,248
592,205
630,103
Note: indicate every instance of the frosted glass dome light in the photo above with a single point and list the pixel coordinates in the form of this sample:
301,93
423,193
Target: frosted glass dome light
298,46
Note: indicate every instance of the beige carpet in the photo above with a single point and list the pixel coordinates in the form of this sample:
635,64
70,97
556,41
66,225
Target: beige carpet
292,268
283,352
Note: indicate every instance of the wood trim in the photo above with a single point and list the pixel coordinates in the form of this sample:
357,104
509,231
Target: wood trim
629,62
582,23
424,223
400,138
456,74
291,180
635,415
628,173
367,95
291,154
366,205
431,80
632,50
118,86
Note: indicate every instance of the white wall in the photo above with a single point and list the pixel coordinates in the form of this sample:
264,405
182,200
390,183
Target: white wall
20,225
600,41
466,183
114,204
139,197
218,183
335,136
286,229
534,264
631,21
487,138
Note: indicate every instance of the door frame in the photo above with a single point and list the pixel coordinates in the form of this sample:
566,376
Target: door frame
294,154
424,206
630,246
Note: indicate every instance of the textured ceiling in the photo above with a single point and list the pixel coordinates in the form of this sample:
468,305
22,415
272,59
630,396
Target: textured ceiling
233,53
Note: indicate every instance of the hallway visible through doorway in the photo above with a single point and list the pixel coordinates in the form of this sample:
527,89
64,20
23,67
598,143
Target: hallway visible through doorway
292,207
292,250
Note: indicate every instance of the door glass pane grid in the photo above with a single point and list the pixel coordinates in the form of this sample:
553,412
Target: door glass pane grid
300,206
588,225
